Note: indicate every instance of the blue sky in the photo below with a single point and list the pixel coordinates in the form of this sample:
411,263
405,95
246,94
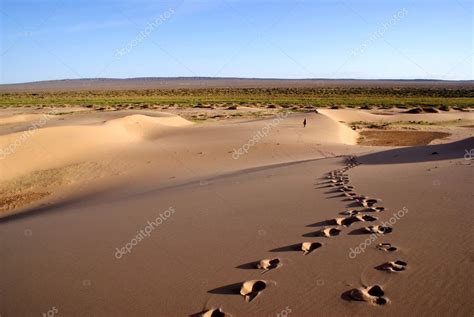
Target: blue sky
44,40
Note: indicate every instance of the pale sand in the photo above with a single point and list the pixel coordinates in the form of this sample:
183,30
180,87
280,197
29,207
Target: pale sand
107,174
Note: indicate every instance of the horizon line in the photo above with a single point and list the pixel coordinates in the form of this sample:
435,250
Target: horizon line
237,78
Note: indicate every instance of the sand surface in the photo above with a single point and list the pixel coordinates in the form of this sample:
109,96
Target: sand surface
83,187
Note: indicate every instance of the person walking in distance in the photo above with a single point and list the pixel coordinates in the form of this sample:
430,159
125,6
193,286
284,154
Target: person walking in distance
304,123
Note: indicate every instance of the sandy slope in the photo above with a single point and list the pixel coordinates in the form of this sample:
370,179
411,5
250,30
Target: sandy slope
108,179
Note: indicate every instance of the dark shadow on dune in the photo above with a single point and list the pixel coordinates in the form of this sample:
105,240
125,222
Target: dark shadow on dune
289,248
330,222
359,232
427,153
346,199
334,191
320,187
354,204
337,196
249,266
231,289
347,296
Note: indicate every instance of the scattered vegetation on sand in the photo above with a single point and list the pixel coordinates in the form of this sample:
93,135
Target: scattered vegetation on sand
428,99
399,138
391,125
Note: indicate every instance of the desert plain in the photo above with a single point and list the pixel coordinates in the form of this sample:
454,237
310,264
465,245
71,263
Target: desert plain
236,209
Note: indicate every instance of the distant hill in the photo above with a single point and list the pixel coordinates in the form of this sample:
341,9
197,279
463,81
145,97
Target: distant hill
209,82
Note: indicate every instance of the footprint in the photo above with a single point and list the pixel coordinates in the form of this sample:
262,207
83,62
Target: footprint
338,184
213,312
308,247
351,212
349,195
251,289
339,180
378,229
328,232
347,189
358,198
269,264
373,294
395,266
367,218
373,209
348,221
368,202
386,247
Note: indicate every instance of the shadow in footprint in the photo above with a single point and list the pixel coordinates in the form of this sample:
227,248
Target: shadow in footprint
264,265
251,289
386,247
373,294
328,232
395,266
371,230
308,247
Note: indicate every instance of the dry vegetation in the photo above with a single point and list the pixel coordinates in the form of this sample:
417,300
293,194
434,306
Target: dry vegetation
399,138
298,98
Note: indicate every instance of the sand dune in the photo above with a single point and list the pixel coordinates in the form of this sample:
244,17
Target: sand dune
61,146
126,214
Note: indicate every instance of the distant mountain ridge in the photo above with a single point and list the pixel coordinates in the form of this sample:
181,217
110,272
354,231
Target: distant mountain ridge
223,82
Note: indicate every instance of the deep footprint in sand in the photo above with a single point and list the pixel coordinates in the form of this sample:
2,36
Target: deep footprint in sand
349,195
308,247
368,202
378,229
373,294
394,266
373,209
328,232
347,189
341,183
351,212
386,247
348,221
357,198
339,180
251,289
213,312
269,264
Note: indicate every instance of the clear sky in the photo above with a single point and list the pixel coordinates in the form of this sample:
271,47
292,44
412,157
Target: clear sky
44,40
